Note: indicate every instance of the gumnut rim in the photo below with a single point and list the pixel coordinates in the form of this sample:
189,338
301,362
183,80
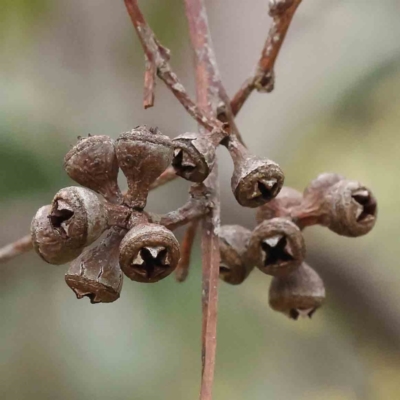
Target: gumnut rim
276,247
149,253
194,156
353,209
78,215
48,243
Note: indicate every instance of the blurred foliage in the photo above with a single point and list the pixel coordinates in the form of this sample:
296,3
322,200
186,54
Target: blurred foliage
20,17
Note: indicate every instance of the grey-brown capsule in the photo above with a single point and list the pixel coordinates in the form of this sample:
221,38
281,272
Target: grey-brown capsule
320,185
300,293
276,247
255,180
234,266
143,154
78,215
352,209
149,253
96,274
92,163
281,206
194,156
48,242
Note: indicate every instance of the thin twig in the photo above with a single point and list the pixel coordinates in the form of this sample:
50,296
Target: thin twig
182,270
193,209
15,249
149,83
209,91
167,176
159,56
282,12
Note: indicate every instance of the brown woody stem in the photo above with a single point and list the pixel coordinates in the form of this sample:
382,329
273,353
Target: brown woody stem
159,56
282,12
149,83
210,93
193,209
16,248
182,270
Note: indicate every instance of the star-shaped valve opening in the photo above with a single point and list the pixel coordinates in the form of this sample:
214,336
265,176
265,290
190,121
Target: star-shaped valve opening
295,313
151,262
60,217
265,188
224,269
367,210
276,250
183,162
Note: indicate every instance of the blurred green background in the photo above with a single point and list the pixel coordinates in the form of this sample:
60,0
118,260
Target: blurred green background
70,68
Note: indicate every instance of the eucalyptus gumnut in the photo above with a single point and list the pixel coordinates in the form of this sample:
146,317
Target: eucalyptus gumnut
96,274
276,247
320,185
48,242
234,267
255,180
281,206
352,209
300,293
194,156
78,215
92,163
148,253
143,154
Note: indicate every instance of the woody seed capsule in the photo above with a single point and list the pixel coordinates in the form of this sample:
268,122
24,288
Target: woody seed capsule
234,267
255,180
300,293
48,242
149,253
352,209
194,156
92,163
276,247
281,206
78,215
96,274
143,154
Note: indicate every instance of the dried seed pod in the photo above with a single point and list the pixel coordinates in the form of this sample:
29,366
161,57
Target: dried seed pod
255,180
313,209
78,215
321,184
96,274
281,206
92,162
143,154
194,156
352,209
149,253
234,267
276,247
48,242
300,293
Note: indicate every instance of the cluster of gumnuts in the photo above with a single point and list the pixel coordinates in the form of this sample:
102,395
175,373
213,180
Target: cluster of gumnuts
138,246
